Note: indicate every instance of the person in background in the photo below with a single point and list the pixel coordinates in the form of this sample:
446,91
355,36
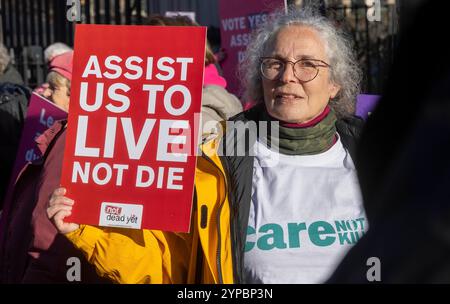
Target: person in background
31,250
53,50
58,79
7,71
14,97
217,103
217,50
14,100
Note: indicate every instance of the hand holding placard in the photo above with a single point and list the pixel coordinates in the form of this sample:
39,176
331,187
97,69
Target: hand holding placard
59,208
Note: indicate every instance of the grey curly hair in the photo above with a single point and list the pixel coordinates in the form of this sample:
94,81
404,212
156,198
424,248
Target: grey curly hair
344,71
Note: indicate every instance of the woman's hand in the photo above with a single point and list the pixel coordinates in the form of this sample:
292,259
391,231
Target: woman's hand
59,207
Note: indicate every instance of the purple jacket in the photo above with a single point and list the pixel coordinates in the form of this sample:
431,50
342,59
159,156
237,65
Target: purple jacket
31,250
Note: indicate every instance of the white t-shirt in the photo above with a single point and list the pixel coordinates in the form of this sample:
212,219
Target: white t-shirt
306,212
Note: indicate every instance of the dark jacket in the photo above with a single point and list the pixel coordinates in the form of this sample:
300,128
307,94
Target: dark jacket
13,109
240,174
403,163
31,250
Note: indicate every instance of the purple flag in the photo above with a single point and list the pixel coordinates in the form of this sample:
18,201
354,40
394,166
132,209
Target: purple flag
365,104
41,115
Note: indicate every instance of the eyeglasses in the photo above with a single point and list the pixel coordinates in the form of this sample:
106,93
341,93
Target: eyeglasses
304,69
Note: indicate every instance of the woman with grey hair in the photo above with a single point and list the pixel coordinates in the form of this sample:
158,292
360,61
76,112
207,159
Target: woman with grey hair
306,210
256,220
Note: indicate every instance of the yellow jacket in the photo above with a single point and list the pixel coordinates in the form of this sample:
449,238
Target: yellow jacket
150,256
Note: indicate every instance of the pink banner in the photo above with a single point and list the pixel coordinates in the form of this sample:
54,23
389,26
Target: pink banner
237,20
41,115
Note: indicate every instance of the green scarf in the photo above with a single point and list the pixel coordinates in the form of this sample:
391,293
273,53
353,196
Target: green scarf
304,141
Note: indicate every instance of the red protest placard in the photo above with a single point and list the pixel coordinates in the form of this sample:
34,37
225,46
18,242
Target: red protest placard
129,159
237,20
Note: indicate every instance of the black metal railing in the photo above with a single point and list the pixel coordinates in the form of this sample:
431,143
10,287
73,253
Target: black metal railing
31,25
375,41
